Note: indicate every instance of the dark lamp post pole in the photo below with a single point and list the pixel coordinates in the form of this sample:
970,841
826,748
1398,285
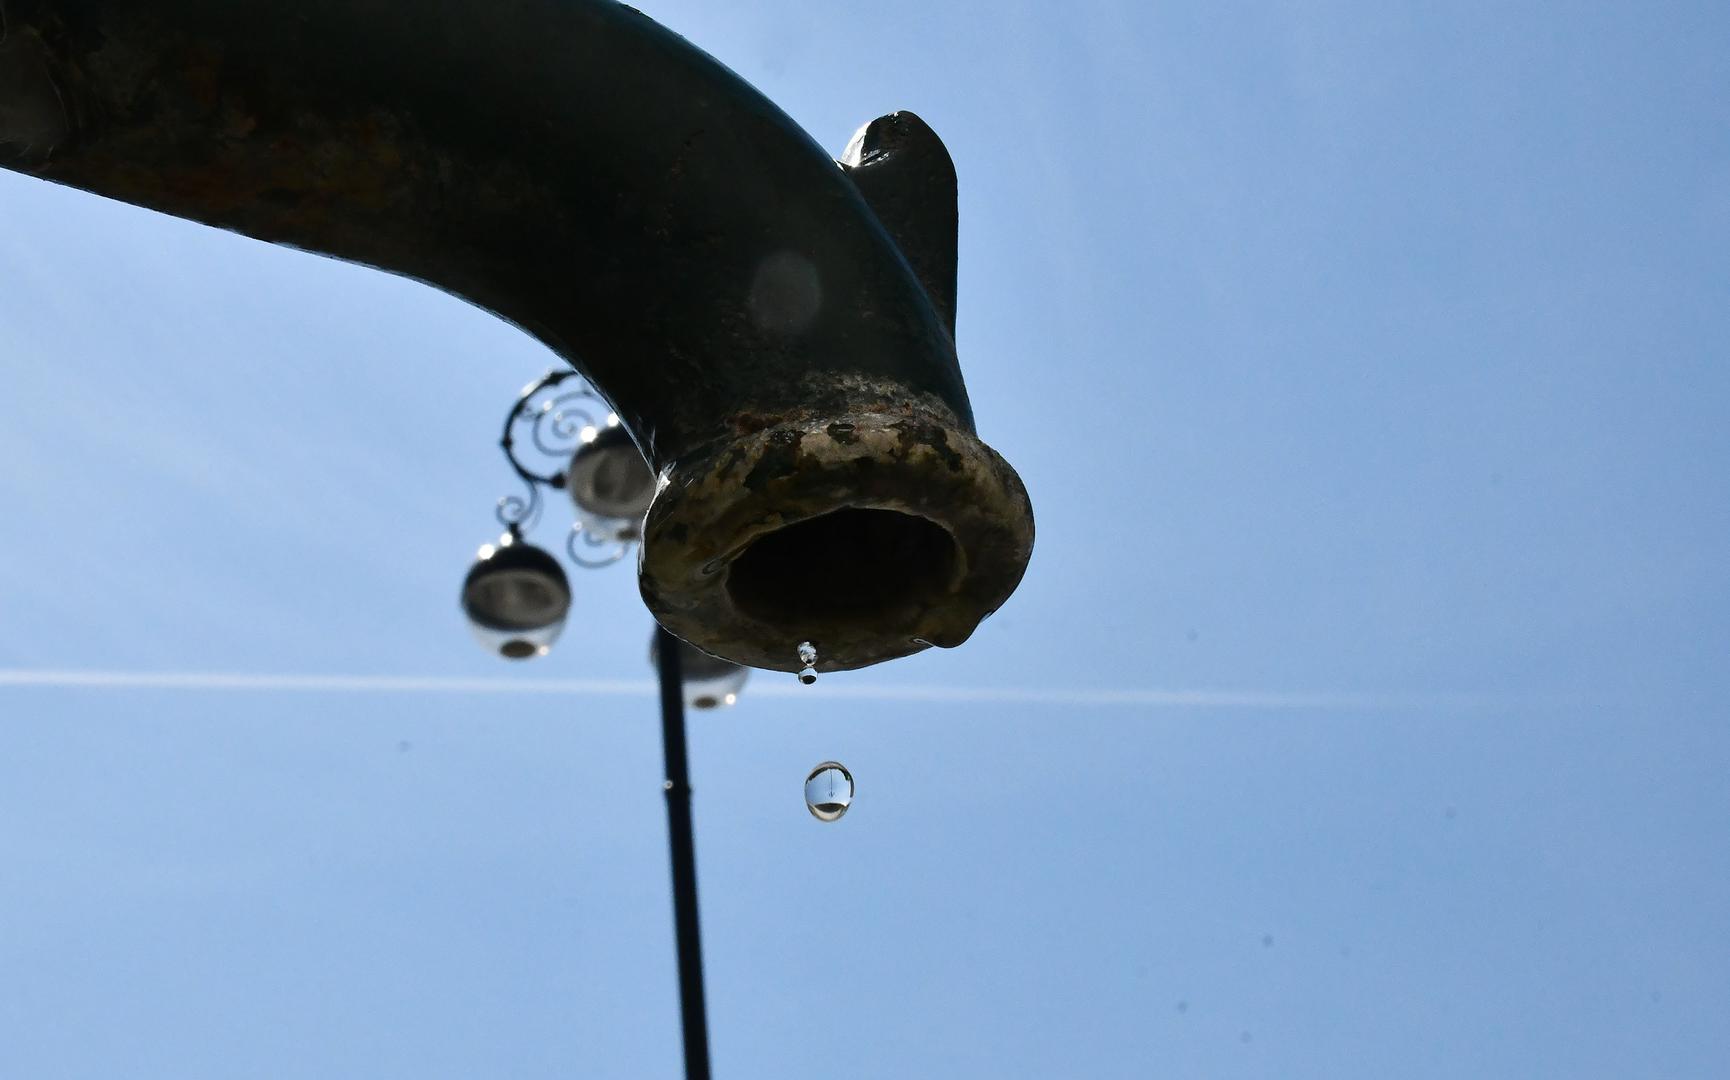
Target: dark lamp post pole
682,848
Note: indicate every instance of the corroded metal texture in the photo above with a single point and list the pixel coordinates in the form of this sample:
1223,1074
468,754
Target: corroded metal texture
774,329
872,533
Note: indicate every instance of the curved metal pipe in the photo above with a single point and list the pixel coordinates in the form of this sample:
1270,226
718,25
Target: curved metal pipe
774,328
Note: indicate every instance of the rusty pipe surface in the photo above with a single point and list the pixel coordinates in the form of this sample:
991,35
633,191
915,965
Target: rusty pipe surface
775,328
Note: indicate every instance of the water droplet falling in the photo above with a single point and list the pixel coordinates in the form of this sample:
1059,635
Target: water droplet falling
829,791
808,657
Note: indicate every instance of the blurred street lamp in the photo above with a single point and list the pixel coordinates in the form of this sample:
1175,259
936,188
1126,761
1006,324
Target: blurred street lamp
516,598
559,433
710,682
610,483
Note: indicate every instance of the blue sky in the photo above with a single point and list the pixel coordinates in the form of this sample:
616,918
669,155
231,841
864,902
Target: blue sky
1368,354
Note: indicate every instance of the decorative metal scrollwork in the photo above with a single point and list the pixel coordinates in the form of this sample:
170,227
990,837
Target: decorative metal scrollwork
612,550
558,434
557,420
519,512
553,419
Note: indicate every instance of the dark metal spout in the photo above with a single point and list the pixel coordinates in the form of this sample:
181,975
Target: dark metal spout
774,328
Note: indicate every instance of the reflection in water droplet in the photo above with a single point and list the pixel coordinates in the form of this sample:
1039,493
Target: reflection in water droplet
829,791
808,657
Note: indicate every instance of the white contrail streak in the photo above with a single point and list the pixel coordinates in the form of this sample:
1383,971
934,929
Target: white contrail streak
433,684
